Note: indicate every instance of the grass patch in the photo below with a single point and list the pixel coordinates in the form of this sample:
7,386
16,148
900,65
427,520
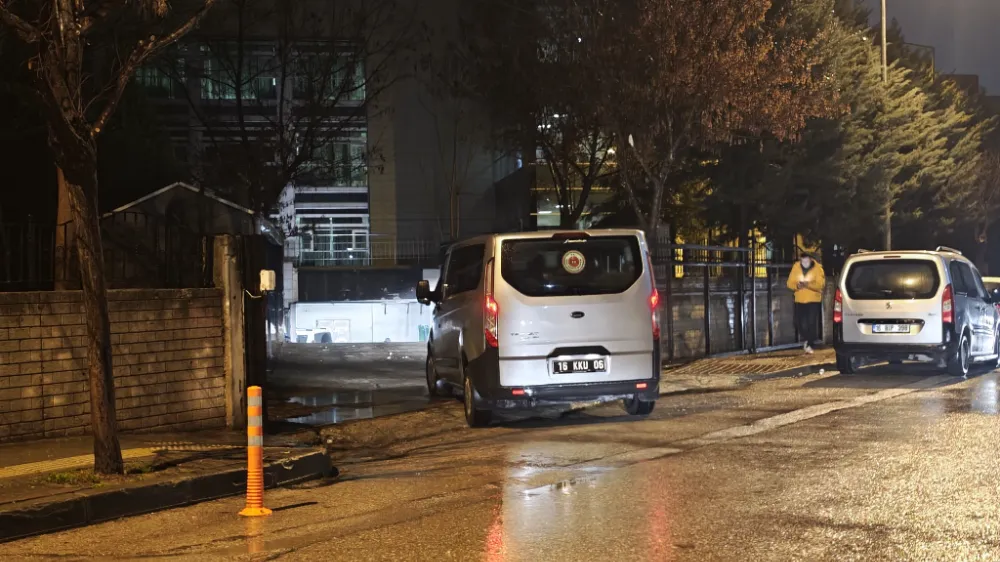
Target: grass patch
87,476
82,477
139,468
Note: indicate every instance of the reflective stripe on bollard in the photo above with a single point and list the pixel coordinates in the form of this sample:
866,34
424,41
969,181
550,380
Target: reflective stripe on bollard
255,455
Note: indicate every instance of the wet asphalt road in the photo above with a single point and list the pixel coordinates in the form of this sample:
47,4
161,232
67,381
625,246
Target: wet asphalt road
877,466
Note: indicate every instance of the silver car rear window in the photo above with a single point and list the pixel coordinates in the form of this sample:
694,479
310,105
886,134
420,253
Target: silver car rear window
892,279
595,265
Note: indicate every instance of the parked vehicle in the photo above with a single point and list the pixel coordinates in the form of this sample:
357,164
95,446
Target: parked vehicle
993,288
927,306
529,319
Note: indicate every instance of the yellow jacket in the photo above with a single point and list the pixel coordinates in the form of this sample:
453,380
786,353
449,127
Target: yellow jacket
815,280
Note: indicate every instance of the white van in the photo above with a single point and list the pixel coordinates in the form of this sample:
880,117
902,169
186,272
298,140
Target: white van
528,319
929,306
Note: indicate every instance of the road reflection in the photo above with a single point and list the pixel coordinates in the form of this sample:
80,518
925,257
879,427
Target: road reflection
355,405
984,395
980,395
562,499
254,534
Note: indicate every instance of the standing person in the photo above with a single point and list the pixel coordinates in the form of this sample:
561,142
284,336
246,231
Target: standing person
807,281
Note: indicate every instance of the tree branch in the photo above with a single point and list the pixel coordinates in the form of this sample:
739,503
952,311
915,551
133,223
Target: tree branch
143,52
24,30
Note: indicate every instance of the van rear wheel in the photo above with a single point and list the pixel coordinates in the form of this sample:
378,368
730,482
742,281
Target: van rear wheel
846,364
636,407
474,416
433,383
958,365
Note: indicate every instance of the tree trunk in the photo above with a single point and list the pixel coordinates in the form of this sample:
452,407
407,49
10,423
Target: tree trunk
566,221
655,212
82,188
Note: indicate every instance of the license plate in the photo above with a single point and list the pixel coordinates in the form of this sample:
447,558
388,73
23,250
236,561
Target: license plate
891,328
564,366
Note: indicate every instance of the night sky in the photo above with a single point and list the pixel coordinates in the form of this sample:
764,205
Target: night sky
964,33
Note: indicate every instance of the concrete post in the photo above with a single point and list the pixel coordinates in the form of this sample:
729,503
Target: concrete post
227,278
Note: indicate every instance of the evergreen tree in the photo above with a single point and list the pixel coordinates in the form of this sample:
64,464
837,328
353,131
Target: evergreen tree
913,145
814,184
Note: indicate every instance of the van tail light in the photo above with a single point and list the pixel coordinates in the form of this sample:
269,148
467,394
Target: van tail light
948,306
838,307
490,320
654,303
491,311
654,297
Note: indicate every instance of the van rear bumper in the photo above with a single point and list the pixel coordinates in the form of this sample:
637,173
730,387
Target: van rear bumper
485,374
895,352
561,394
887,351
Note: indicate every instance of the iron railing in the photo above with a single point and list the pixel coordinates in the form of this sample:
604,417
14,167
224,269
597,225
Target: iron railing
722,300
140,251
364,253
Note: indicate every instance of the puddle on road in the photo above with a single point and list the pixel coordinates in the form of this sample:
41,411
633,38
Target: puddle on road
357,405
980,397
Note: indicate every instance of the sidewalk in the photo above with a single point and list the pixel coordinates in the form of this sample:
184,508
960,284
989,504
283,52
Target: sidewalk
49,484
753,365
719,373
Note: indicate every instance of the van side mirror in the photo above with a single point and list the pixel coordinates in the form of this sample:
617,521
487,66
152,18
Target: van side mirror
424,294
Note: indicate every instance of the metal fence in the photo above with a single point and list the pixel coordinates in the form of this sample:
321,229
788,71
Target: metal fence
140,251
27,256
721,300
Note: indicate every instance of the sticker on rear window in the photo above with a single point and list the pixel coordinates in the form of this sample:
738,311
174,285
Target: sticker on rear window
573,262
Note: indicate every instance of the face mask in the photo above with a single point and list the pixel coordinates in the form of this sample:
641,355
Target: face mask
806,262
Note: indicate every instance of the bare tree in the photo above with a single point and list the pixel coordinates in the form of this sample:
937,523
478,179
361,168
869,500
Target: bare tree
555,46
580,156
690,74
84,53
286,93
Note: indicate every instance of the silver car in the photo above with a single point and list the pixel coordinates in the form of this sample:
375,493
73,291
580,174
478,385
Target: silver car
919,305
531,319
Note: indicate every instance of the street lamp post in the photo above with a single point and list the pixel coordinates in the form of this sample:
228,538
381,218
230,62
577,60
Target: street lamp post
885,82
885,50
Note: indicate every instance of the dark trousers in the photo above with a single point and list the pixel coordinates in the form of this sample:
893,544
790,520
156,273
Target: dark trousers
807,321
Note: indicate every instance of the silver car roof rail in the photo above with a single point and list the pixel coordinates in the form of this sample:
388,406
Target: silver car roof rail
864,251
947,249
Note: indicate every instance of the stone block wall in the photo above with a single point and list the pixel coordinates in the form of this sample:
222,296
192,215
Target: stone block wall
168,361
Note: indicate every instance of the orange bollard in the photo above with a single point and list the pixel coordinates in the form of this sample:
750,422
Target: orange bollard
255,455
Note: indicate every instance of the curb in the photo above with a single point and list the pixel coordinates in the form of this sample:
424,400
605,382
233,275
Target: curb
138,500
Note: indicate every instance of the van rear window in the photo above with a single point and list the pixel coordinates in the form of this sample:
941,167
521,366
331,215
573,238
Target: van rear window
597,265
892,279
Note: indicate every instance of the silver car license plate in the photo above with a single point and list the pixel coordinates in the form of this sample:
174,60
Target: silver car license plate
891,328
